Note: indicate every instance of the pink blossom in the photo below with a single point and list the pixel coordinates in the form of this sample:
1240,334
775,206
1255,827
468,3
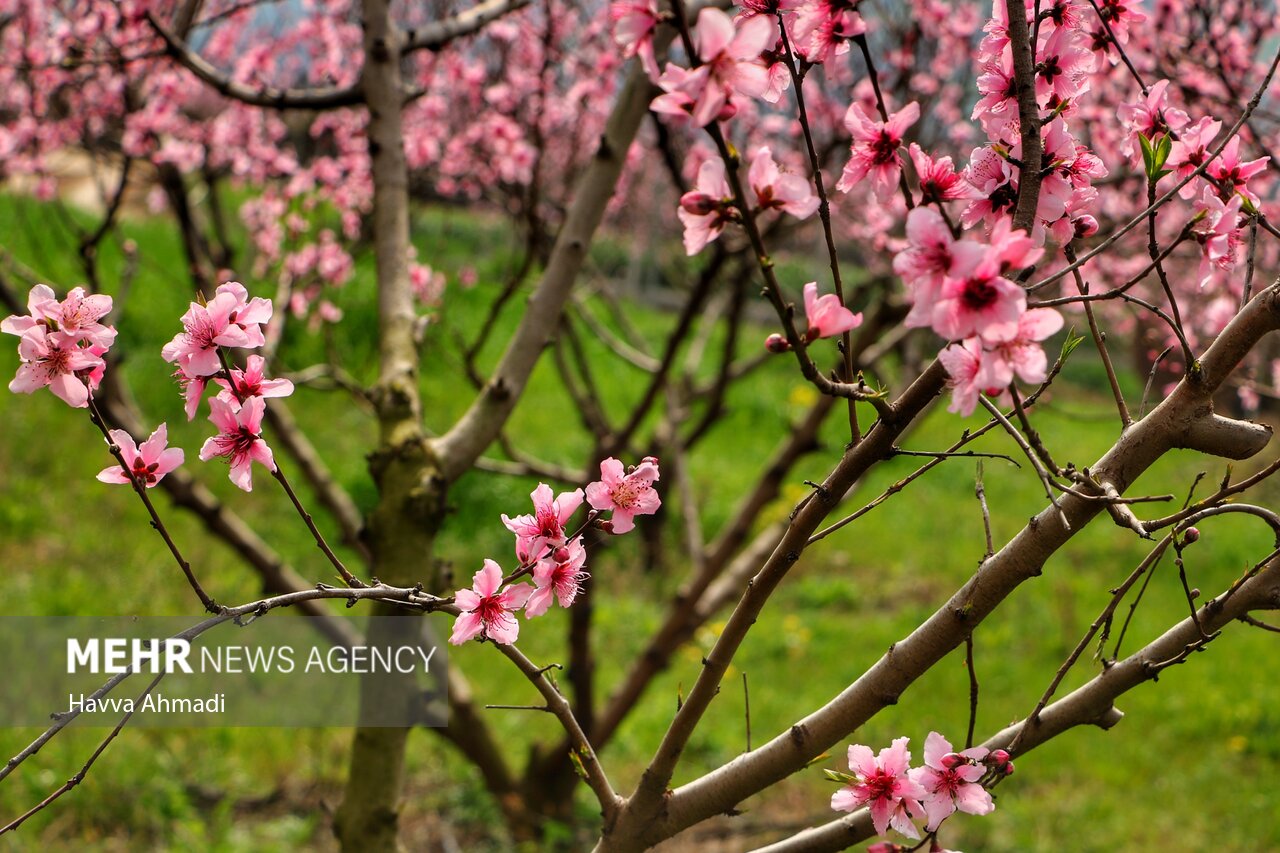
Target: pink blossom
545,527
485,609
992,176
823,28
1150,117
931,251
625,493
1062,67
633,24
148,463
1217,233
875,149
229,319
882,783
239,438
982,302
56,360
931,255
997,109
42,307
776,189
825,314
938,178
1022,355
706,208
730,62
1234,175
192,391
963,363
950,781
558,575
1191,150
78,316
1012,248
251,382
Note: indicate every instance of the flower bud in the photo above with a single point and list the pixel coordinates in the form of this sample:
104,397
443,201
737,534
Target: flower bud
1190,535
952,760
998,756
776,343
606,526
560,555
1085,226
698,203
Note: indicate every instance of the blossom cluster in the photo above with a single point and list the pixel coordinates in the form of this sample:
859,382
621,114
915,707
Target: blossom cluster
61,344
548,552
230,319
897,794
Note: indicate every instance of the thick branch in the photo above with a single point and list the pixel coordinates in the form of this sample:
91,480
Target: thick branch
1093,704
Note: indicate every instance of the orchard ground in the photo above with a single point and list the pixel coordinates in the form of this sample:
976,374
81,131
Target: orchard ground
1193,766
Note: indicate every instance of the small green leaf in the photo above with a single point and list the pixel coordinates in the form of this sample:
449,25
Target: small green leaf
837,776
1154,155
1069,345
577,764
1148,155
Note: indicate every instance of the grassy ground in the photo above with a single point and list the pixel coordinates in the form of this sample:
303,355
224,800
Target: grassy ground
1192,767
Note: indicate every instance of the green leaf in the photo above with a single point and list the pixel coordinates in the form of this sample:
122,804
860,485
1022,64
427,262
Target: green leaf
1069,345
1155,154
837,776
1148,155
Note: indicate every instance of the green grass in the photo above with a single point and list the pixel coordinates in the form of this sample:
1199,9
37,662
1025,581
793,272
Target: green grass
1191,767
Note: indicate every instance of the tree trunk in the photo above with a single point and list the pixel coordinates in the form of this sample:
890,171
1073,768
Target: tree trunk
410,506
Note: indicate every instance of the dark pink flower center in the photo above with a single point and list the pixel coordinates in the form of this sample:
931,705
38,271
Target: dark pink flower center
57,362
880,786
884,149
144,473
1003,197
244,388
491,609
201,331
236,444
979,294
947,782
549,524
1050,68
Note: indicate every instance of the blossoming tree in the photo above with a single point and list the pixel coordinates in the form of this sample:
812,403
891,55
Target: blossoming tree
998,167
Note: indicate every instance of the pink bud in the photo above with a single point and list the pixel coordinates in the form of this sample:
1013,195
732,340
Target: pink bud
953,760
698,203
1086,226
1008,769
606,526
561,554
997,756
776,343
1190,535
